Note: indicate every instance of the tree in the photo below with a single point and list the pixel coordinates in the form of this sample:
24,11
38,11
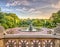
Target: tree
9,20
56,17
0,9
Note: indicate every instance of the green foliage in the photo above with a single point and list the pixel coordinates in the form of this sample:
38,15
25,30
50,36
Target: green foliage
10,20
55,17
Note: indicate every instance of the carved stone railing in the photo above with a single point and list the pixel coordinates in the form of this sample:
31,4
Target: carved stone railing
31,43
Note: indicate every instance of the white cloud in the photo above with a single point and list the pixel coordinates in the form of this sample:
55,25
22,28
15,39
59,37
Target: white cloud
7,10
22,10
37,12
57,5
13,3
30,10
19,10
25,9
25,2
18,2
34,11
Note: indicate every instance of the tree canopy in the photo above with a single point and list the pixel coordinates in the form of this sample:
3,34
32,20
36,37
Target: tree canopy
11,20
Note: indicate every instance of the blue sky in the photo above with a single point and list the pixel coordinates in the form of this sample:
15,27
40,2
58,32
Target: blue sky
31,8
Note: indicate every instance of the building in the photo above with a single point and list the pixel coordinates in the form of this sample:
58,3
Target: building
31,37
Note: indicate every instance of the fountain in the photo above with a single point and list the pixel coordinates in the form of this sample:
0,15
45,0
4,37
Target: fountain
31,28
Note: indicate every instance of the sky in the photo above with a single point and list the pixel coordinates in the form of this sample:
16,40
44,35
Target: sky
41,9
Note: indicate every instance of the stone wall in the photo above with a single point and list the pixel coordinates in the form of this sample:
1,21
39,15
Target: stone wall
1,43
57,43
30,42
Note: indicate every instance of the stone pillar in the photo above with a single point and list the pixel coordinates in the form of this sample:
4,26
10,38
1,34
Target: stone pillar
57,43
1,43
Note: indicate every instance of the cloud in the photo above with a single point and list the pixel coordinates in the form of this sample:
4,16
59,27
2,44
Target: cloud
7,10
25,9
13,3
18,2
34,11
22,10
30,10
19,10
57,5
34,8
25,2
